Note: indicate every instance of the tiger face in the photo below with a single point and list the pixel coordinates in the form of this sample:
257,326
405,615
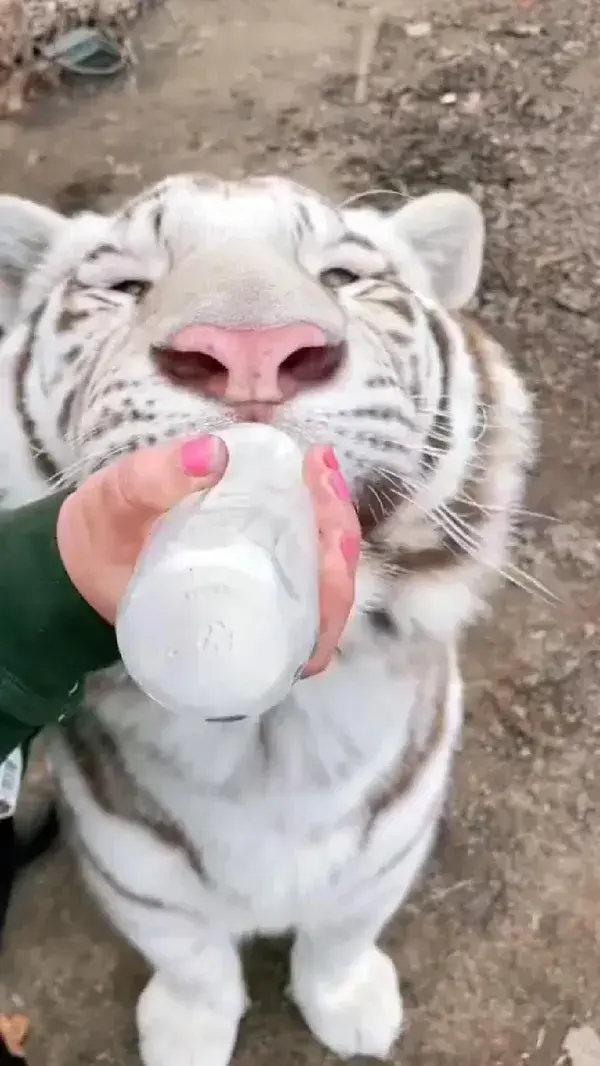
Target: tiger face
201,303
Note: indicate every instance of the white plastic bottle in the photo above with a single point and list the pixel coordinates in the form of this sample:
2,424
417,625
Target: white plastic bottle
222,611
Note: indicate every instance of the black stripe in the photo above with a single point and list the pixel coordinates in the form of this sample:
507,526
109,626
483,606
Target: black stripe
66,409
440,429
112,786
152,902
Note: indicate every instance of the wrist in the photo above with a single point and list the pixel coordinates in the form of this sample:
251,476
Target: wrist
50,638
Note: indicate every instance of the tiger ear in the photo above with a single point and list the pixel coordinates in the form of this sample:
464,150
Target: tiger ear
446,231
26,231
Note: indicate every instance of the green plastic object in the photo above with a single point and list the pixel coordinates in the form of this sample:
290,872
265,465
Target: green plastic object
86,51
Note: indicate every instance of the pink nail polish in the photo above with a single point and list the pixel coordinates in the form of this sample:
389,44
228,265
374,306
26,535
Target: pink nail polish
329,459
350,548
198,456
340,487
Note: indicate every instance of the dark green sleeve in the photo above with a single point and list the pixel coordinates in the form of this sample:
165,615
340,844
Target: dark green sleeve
49,637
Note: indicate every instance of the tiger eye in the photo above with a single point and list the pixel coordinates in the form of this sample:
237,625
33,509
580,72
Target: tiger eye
137,289
337,277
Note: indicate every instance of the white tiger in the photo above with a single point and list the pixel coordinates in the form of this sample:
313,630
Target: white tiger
204,302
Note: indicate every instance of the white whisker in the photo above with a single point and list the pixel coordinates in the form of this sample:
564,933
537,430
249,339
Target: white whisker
464,536
491,509
458,528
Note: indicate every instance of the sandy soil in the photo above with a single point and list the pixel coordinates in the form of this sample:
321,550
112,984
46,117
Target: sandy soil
500,951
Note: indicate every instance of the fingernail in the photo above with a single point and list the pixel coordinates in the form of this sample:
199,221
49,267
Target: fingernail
350,548
330,460
340,487
198,456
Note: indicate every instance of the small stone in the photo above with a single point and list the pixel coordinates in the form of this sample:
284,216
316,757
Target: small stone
417,29
448,98
582,1045
524,29
472,103
571,299
127,170
574,48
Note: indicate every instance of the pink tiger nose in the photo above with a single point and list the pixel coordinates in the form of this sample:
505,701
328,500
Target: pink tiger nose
238,366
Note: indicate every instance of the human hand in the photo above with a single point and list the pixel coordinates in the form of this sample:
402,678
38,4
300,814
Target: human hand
339,549
104,524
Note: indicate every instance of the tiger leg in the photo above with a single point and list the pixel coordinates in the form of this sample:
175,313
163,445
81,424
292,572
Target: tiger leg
190,1010
346,987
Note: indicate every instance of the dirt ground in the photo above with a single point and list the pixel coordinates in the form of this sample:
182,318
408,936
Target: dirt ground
499,951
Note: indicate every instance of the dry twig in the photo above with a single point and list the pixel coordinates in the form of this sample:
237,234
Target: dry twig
368,43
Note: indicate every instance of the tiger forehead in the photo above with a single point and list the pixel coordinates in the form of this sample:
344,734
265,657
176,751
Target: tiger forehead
277,189
173,207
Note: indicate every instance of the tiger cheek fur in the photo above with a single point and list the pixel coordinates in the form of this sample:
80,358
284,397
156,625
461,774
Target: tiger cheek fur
318,819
